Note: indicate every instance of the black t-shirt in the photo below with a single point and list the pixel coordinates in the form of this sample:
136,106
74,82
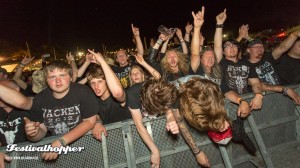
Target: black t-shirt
134,100
265,69
123,74
288,70
62,115
236,74
111,111
12,129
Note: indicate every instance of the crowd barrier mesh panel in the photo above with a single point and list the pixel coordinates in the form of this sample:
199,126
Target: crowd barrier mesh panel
174,151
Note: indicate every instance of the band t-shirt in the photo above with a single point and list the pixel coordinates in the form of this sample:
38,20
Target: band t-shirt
62,115
236,75
12,126
265,69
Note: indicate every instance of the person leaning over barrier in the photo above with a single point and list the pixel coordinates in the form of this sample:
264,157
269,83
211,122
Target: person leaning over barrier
64,108
158,97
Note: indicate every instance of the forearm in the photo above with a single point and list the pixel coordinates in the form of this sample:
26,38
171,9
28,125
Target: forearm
195,49
187,37
146,136
17,77
165,46
15,98
74,69
112,81
233,96
218,44
185,132
184,47
284,46
83,81
151,70
273,88
82,69
139,45
80,130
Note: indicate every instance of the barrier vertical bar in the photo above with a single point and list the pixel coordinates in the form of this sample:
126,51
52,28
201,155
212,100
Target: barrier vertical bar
260,142
104,151
128,143
225,156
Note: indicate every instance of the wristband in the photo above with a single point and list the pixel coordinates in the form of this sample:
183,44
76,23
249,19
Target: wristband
197,152
62,141
284,91
21,66
187,33
240,100
159,41
219,26
259,94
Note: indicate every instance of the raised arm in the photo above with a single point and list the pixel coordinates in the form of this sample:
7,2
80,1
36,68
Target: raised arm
218,35
88,60
139,58
195,45
286,44
137,118
17,76
111,79
183,44
139,44
71,61
188,29
243,33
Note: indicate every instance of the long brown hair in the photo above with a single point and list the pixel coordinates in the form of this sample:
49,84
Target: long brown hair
182,62
202,104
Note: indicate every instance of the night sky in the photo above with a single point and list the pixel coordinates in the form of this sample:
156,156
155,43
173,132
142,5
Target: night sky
88,24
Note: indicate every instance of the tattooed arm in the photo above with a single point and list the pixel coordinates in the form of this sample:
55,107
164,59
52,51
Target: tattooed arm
200,155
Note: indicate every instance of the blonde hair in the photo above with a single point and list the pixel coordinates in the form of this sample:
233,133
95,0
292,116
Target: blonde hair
182,62
202,104
140,69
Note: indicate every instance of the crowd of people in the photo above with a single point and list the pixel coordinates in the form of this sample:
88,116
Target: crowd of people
184,82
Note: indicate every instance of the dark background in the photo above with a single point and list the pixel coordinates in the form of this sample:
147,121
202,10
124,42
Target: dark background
90,23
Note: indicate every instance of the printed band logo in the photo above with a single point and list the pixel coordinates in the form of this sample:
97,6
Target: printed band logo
45,148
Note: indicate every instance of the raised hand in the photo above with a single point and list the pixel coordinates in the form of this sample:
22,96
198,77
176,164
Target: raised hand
179,33
70,57
31,128
135,30
199,17
139,58
221,17
26,60
188,28
243,31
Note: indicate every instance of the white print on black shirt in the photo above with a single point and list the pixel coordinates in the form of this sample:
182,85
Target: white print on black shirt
267,74
10,135
124,77
61,120
238,78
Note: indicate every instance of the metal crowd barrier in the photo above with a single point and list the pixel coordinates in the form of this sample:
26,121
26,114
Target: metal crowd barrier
275,124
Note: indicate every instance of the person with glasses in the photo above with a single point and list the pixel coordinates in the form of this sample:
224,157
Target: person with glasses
237,74
264,64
